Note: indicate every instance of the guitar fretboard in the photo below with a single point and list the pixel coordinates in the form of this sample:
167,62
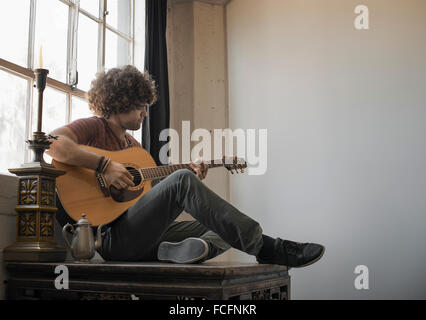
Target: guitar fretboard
163,171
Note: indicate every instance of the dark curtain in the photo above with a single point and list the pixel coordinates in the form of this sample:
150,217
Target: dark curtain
158,117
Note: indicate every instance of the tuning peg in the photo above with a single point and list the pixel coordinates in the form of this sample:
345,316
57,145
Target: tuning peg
241,168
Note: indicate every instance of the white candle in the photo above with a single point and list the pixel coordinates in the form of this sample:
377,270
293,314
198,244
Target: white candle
41,57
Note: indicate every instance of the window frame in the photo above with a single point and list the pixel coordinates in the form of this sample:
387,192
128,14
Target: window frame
69,88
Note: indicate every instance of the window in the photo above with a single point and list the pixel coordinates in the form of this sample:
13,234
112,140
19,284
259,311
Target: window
13,97
73,39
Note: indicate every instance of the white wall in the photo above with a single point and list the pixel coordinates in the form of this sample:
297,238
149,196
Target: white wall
346,117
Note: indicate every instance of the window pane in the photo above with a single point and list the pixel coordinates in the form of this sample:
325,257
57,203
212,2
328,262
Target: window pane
54,109
119,15
91,6
139,49
80,109
87,51
117,50
51,33
13,99
137,134
14,24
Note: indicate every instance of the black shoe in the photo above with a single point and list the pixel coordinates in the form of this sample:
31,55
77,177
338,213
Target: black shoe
294,254
190,250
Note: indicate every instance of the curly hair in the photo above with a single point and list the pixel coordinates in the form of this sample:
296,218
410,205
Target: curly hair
121,90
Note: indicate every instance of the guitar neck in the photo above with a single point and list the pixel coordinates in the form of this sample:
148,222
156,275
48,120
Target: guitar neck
163,171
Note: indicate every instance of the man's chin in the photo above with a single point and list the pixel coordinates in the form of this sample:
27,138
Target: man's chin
136,126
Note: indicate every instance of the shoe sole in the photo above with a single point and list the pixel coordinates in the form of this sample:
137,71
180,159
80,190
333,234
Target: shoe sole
313,261
187,251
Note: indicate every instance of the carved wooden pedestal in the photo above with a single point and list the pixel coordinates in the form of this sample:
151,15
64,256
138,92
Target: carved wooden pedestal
36,209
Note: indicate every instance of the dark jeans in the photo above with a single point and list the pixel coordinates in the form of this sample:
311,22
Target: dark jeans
136,235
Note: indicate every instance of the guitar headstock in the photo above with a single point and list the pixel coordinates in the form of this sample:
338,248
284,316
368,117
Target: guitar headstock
234,164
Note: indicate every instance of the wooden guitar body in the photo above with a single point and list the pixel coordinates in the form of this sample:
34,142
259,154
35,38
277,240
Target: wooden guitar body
79,192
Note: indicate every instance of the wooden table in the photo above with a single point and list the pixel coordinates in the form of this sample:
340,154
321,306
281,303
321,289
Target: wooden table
115,281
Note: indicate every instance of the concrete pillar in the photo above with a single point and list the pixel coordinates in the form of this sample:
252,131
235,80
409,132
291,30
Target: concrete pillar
196,40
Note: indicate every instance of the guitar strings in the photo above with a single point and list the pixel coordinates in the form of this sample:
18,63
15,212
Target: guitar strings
165,168
162,170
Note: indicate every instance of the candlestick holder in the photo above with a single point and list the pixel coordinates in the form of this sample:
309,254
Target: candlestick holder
36,202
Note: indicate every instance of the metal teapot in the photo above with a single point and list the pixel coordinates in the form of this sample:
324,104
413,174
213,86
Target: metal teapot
83,246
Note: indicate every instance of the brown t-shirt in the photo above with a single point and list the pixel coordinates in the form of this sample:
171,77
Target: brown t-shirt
95,132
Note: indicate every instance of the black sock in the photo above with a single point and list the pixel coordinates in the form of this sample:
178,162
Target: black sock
267,250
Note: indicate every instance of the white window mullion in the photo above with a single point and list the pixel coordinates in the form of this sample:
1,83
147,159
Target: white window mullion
30,83
72,75
139,34
31,35
68,115
132,32
67,2
102,34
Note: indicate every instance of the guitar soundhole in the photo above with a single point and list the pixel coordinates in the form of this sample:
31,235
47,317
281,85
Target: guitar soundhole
137,179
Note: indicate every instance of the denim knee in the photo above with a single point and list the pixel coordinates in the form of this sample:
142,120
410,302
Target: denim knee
183,174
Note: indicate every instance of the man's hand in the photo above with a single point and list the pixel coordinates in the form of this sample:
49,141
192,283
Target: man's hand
117,175
200,168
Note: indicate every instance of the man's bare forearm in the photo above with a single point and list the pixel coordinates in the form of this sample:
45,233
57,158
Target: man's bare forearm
67,151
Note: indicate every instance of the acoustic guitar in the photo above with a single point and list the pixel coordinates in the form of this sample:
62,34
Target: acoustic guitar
79,192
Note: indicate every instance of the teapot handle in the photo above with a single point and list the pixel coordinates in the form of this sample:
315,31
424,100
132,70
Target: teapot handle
64,234
98,240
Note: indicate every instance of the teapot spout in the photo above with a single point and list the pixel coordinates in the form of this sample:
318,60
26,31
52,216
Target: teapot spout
98,241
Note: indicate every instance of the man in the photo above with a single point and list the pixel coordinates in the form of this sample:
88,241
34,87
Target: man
147,230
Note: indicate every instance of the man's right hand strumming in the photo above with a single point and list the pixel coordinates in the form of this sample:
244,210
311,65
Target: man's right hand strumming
117,175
